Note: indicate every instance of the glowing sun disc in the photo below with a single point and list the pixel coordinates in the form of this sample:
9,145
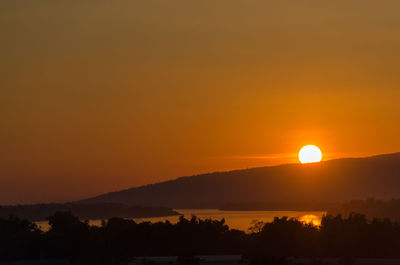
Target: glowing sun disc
310,154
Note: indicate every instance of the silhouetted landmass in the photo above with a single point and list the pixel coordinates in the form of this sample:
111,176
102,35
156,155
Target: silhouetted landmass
119,240
40,212
278,206
326,182
371,208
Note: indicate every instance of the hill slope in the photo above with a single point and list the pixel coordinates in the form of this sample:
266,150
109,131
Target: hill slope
329,181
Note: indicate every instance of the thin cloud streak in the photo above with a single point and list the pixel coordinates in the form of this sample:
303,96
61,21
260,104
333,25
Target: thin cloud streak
283,158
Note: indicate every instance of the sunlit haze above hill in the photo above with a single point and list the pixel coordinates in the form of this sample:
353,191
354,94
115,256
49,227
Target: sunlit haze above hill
99,96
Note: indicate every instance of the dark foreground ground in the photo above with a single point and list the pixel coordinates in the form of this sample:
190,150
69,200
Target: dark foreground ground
224,260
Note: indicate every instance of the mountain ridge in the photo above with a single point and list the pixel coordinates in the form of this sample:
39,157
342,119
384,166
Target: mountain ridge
328,181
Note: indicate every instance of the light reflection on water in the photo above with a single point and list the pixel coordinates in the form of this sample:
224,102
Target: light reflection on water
241,220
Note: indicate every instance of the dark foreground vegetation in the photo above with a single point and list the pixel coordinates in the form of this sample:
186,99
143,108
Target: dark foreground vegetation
40,212
119,240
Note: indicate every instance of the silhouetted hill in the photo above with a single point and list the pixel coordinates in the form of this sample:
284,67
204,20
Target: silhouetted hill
371,208
330,181
39,212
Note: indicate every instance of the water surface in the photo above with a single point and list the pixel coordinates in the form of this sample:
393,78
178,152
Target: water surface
241,220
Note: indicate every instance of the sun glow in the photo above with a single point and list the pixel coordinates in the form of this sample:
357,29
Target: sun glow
310,219
310,154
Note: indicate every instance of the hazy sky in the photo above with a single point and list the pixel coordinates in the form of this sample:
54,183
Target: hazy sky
101,95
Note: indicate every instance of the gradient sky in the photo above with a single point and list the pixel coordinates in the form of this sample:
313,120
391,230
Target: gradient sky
101,95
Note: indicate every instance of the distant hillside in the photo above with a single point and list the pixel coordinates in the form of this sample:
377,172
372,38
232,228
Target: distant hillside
330,181
39,212
371,208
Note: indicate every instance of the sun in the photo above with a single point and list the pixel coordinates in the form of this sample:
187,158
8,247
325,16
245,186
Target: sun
310,154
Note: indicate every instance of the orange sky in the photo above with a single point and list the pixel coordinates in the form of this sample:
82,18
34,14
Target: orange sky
104,95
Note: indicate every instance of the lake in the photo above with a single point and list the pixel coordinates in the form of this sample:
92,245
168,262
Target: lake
241,220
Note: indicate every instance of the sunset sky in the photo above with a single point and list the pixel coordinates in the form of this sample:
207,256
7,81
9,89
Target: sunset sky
98,96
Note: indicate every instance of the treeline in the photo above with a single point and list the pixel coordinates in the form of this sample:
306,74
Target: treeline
39,212
119,240
371,208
